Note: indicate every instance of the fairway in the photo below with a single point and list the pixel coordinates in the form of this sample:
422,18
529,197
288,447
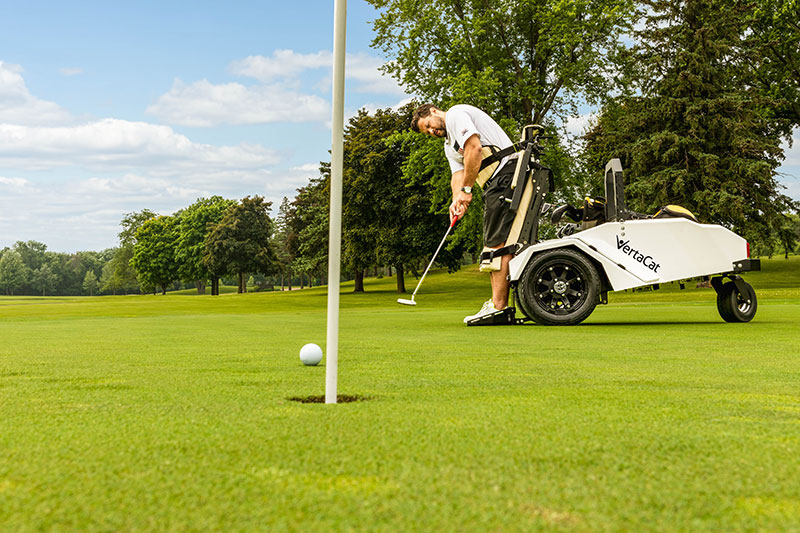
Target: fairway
174,413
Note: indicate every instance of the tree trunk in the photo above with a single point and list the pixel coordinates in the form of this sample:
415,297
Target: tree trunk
281,281
359,279
401,280
390,270
163,289
215,286
201,286
301,281
242,288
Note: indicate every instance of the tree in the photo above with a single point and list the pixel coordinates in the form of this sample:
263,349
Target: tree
118,276
195,223
13,273
124,277
770,58
240,242
308,221
154,252
284,255
131,223
367,173
44,279
686,132
516,59
90,283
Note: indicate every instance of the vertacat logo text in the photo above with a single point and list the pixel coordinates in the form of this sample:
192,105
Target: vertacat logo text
646,260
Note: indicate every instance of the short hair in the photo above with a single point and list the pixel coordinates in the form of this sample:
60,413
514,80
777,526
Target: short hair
421,112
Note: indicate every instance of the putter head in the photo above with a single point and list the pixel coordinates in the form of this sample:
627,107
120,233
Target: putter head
406,302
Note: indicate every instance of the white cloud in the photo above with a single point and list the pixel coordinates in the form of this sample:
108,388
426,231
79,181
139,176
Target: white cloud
578,126
203,104
14,184
84,213
79,180
362,68
308,167
283,64
278,98
70,71
19,106
119,144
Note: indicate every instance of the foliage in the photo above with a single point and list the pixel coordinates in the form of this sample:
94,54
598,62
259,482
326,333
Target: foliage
124,277
240,242
770,59
118,276
44,279
90,283
131,223
518,60
284,255
13,271
154,252
690,135
195,223
308,224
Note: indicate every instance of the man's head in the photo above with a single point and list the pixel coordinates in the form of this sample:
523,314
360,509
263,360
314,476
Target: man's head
429,119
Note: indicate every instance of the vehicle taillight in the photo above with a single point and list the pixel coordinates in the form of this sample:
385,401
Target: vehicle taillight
748,250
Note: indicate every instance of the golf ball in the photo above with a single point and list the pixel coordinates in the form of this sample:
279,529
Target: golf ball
310,354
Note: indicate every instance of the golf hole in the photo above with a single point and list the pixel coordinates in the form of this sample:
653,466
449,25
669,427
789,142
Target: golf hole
341,398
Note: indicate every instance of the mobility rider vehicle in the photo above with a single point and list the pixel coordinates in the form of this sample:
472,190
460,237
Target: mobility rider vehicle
607,248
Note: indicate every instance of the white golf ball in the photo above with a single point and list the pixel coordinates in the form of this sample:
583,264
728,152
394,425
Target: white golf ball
310,354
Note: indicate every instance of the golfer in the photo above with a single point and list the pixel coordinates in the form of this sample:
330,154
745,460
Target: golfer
466,129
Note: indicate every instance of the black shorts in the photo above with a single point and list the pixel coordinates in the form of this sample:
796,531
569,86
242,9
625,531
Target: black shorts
497,215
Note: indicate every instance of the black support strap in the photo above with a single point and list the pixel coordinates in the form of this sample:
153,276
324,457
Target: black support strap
505,250
499,155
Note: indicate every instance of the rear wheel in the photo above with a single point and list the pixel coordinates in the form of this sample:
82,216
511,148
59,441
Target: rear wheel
558,287
736,306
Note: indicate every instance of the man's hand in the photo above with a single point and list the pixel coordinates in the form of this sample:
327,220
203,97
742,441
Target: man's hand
460,204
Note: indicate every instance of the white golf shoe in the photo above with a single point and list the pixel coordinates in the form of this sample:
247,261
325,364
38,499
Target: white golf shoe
487,309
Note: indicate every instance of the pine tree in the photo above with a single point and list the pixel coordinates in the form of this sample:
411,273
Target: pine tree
687,133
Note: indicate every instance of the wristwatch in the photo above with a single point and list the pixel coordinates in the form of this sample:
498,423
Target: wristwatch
467,189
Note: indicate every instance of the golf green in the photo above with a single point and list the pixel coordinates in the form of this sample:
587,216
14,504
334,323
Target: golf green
176,413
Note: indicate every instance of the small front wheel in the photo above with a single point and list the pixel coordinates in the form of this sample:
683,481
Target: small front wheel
736,306
559,287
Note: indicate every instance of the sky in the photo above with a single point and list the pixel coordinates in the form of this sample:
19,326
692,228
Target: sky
112,107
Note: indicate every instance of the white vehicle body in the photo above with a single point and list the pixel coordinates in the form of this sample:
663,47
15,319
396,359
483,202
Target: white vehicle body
635,253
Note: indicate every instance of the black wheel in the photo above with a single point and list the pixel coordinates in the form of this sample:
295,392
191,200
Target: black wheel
558,288
735,306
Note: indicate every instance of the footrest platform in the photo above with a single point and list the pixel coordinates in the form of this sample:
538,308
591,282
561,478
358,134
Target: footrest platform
506,317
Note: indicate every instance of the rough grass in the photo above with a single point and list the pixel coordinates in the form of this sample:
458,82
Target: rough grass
175,413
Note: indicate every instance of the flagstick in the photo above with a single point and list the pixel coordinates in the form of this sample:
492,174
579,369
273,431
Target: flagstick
335,235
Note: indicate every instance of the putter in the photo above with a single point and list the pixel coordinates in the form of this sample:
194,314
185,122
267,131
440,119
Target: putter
405,301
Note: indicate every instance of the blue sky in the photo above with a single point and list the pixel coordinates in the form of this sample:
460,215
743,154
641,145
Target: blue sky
108,108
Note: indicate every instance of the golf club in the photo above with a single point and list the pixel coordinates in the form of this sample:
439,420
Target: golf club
405,301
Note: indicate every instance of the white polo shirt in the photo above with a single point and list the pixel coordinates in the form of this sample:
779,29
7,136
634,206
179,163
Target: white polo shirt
462,122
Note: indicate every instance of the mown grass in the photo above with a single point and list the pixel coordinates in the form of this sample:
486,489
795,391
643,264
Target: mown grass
172,413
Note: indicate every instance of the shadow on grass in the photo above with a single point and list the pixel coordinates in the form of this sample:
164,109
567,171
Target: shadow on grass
341,398
658,323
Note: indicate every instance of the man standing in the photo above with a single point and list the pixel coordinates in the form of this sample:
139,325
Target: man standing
467,130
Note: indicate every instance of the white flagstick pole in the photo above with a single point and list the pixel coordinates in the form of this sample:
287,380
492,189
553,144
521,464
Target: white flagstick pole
335,235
